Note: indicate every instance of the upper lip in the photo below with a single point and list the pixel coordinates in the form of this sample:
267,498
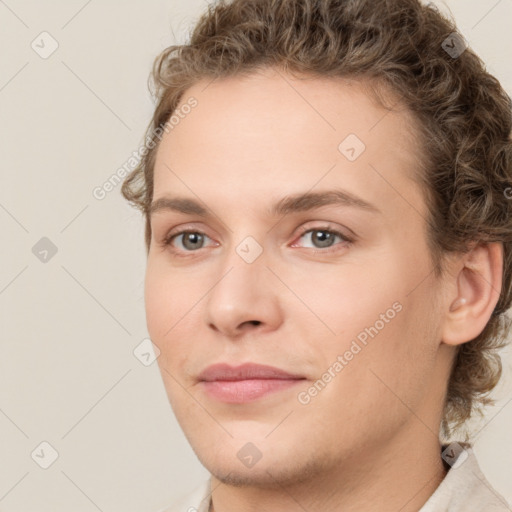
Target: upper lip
223,371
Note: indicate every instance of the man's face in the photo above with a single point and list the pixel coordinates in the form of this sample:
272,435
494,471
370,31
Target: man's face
353,315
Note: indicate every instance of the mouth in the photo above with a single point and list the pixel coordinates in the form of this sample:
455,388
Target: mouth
245,383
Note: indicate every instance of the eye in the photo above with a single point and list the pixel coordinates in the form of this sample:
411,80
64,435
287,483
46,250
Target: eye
189,241
323,237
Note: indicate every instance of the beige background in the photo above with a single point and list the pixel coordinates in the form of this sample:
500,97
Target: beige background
69,326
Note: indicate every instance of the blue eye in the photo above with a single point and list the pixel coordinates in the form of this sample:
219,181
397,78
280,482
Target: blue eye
190,239
323,237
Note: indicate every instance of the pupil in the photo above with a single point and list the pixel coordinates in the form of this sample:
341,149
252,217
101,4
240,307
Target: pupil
323,240
192,238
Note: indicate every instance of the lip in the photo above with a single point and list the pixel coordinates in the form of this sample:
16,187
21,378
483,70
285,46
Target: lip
223,371
245,383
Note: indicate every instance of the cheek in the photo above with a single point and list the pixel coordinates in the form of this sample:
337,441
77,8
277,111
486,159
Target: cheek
392,371
347,300
169,307
374,323
168,297
378,383
159,305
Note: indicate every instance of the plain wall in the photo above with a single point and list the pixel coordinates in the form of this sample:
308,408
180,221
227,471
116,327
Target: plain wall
69,325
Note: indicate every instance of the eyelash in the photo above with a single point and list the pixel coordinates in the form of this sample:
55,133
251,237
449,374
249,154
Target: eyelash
167,242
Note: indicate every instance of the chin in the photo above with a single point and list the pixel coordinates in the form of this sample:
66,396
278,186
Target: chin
263,475
278,466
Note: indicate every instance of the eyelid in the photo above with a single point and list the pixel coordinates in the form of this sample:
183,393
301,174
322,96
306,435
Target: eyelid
167,239
326,226
346,239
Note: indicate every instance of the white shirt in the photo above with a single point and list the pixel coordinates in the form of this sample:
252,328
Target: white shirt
463,489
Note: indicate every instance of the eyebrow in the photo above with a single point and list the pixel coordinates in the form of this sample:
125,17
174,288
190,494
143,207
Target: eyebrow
300,202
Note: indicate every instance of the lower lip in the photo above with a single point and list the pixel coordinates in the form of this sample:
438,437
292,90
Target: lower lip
241,391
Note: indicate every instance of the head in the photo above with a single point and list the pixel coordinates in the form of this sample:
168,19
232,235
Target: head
389,298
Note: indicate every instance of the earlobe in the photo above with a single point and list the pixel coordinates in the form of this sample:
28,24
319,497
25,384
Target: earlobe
478,287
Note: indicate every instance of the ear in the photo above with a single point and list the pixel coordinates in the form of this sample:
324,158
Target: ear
477,288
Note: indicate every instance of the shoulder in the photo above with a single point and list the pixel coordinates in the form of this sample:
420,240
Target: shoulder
198,500
465,488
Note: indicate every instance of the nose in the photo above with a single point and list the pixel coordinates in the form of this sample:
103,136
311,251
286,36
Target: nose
244,298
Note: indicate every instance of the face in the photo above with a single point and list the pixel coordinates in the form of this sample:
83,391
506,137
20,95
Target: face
335,288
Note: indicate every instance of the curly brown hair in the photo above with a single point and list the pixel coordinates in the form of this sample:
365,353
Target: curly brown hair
464,124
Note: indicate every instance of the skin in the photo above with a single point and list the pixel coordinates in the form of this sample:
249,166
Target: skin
370,436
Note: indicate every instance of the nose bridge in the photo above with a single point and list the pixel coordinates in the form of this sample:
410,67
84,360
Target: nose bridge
245,254
243,273
242,292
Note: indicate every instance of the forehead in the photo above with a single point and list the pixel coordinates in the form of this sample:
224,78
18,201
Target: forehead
267,134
